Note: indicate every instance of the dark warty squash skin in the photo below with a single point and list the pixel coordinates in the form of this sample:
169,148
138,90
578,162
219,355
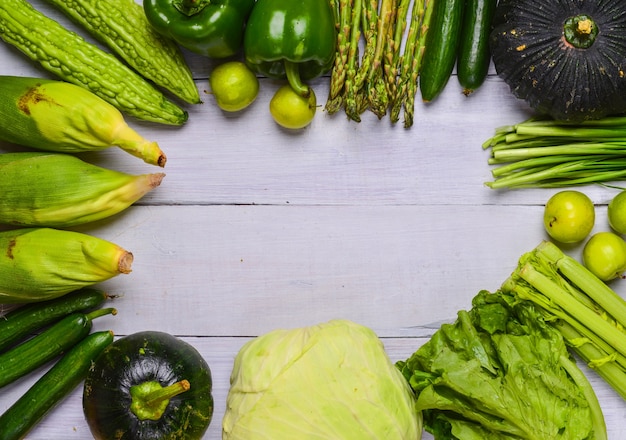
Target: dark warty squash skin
561,78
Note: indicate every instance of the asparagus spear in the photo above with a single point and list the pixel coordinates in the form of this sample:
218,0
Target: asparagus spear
338,73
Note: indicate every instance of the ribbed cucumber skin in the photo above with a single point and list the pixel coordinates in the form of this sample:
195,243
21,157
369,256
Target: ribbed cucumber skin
72,58
23,321
53,386
123,27
33,353
474,54
442,43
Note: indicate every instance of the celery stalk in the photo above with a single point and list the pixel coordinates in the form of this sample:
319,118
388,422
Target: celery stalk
587,312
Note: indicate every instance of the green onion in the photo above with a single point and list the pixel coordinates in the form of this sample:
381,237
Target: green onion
542,152
588,313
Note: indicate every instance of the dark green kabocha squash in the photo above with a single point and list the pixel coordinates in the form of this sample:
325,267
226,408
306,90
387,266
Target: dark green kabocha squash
566,58
148,386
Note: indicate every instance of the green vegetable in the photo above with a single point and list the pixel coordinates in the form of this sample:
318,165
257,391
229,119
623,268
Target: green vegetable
46,346
52,387
501,372
148,385
72,58
589,314
332,380
21,322
474,54
441,50
122,26
542,152
565,59
293,40
60,190
38,264
213,28
58,116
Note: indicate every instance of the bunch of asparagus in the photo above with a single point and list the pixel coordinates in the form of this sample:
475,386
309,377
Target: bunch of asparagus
384,77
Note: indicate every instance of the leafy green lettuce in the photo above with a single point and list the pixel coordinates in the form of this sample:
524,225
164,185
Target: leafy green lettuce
501,372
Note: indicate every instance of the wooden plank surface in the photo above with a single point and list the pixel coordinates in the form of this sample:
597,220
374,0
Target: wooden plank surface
256,228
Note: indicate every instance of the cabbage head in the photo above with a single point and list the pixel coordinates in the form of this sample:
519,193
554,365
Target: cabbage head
328,381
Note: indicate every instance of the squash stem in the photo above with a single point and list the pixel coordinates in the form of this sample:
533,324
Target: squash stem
580,31
149,399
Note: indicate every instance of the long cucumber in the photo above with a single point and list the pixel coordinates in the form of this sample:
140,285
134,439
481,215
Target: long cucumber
474,53
442,43
69,56
46,346
23,321
123,27
53,386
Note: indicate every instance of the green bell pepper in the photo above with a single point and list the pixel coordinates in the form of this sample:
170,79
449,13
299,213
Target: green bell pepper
213,28
291,39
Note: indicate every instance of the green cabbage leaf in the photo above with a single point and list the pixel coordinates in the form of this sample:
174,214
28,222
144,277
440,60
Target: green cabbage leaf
328,381
500,372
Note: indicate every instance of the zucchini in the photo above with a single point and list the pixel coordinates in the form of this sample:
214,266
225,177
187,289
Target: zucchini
21,322
46,346
442,43
72,58
53,386
123,27
474,54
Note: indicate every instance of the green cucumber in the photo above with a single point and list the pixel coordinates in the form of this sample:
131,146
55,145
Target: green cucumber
74,59
442,43
33,353
53,386
23,321
474,54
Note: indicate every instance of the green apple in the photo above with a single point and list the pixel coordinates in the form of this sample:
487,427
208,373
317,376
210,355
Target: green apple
604,255
617,213
569,216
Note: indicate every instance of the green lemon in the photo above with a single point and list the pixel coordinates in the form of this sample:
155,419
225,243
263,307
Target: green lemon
292,110
234,86
617,213
569,216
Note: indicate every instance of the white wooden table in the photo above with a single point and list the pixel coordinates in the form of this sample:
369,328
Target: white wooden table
256,228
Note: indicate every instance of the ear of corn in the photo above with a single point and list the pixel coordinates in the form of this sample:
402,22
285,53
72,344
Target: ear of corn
62,117
123,27
72,58
38,264
60,190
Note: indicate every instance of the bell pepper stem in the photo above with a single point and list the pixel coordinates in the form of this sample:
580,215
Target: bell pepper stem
150,399
293,76
190,7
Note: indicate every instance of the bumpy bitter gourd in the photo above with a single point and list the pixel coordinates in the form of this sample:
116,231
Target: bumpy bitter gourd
122,26
72,58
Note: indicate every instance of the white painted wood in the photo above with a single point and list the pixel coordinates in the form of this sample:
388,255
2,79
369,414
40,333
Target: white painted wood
256,228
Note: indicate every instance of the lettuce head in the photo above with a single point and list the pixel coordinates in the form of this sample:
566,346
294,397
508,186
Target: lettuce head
328,381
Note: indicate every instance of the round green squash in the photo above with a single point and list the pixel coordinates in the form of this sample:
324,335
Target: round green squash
149,385
565,58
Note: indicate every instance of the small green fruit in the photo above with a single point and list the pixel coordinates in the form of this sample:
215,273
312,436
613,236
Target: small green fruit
569,216
234,86
292,110
605,255
617,213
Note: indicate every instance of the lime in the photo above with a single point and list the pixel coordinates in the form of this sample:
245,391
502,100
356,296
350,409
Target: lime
292,110
604,255
617,213
569,216
234,86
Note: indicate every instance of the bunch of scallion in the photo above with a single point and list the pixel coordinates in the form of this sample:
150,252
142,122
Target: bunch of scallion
542,152
588,313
